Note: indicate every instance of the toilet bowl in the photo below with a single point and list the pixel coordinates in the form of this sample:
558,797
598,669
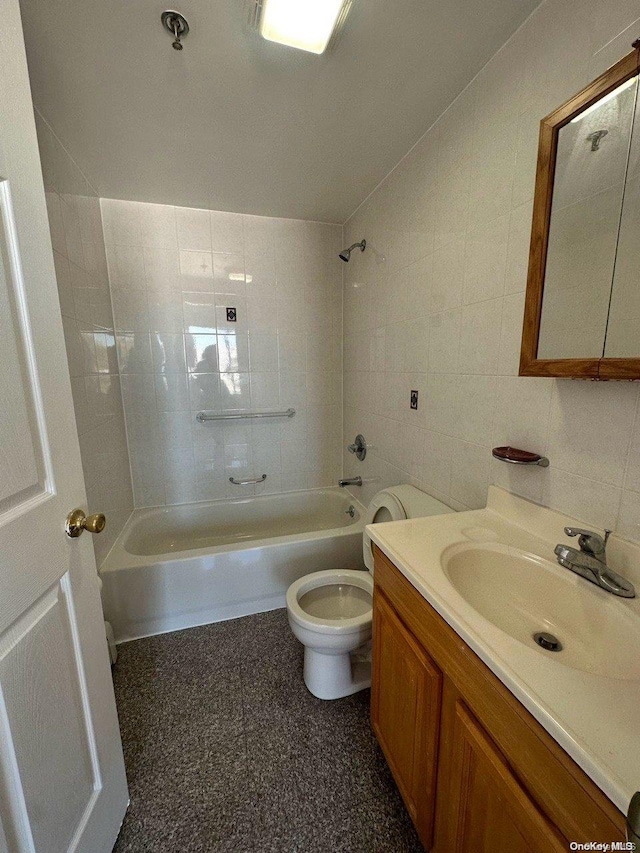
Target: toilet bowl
330,612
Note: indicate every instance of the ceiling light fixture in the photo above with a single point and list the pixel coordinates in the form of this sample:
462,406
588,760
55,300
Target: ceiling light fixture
311,25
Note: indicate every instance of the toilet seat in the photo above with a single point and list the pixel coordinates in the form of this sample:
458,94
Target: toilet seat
330,577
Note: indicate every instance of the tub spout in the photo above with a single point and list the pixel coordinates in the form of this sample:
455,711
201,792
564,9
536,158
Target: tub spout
350,481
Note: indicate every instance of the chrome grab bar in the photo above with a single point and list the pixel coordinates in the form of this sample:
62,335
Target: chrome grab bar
202,417
248,482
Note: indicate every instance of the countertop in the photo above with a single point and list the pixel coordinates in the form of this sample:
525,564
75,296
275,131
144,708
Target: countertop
595,718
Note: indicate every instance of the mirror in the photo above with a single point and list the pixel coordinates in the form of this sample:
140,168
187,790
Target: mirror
623,328
582,311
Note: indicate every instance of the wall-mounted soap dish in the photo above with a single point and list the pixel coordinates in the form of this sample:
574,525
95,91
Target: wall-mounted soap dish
519,457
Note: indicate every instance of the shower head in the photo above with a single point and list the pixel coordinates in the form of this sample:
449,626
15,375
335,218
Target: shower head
345,254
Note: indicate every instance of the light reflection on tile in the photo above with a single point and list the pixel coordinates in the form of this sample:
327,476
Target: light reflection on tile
196,270
199,310
233,353
202,353
204,391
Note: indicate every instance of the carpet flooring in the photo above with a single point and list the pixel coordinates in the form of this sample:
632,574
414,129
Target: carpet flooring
227,752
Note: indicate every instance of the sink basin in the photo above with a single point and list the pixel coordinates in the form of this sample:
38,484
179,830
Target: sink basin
522,595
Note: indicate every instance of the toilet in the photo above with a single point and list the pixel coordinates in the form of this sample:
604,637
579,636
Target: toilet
330,612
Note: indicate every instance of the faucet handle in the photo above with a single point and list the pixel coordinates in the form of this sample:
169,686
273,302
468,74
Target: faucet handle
589,541
578,531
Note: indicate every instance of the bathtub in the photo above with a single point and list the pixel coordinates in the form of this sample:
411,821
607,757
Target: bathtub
180,566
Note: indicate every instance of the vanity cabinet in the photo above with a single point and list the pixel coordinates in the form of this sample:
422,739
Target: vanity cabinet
487,806
477,772
406,715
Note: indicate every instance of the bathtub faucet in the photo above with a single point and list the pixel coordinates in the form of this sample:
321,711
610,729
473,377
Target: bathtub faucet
350,481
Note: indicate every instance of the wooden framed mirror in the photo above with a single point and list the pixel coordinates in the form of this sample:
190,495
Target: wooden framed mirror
582,307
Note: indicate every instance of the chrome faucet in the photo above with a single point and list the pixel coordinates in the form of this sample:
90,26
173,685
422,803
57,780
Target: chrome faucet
350,481
590,561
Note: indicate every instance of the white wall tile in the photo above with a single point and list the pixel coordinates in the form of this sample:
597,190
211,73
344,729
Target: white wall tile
444,341
194,229
445,288
229,275
518,248
476,170
259,235
590,429
196,271
162,269
265,390
121,221
436,463
126,267
441,403
469,474
511,334
168,353
172,392
134,352
263,351
628,525
522,412
475,409
485,260
480,337
226,232
80,262
175,277
594,503
158,226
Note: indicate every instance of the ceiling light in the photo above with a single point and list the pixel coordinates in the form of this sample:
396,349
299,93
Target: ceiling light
305,24
604,100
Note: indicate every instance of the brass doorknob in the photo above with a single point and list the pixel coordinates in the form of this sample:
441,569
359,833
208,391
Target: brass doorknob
77,521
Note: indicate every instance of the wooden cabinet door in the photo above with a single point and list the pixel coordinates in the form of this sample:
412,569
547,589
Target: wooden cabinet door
487,809
405,713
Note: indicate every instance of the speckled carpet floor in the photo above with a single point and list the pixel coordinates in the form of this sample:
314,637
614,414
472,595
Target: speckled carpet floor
226,750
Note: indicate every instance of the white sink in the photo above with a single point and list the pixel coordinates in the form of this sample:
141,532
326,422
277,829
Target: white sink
522,594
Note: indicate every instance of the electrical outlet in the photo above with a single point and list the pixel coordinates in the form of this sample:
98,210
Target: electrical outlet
414,400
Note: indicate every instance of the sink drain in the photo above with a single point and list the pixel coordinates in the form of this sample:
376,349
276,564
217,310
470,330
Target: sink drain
548,641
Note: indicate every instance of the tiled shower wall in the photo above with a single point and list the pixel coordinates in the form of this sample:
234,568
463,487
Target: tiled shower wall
174,274
83,288
435,303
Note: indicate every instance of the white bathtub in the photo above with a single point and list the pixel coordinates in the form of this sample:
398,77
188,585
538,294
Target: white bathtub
180,566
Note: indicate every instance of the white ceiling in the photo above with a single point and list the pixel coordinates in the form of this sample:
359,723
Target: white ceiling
234,122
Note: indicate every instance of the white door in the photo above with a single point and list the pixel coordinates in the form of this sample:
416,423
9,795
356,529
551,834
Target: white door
62,781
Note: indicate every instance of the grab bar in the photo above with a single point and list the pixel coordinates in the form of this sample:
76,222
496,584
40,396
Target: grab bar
201,417
248,482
